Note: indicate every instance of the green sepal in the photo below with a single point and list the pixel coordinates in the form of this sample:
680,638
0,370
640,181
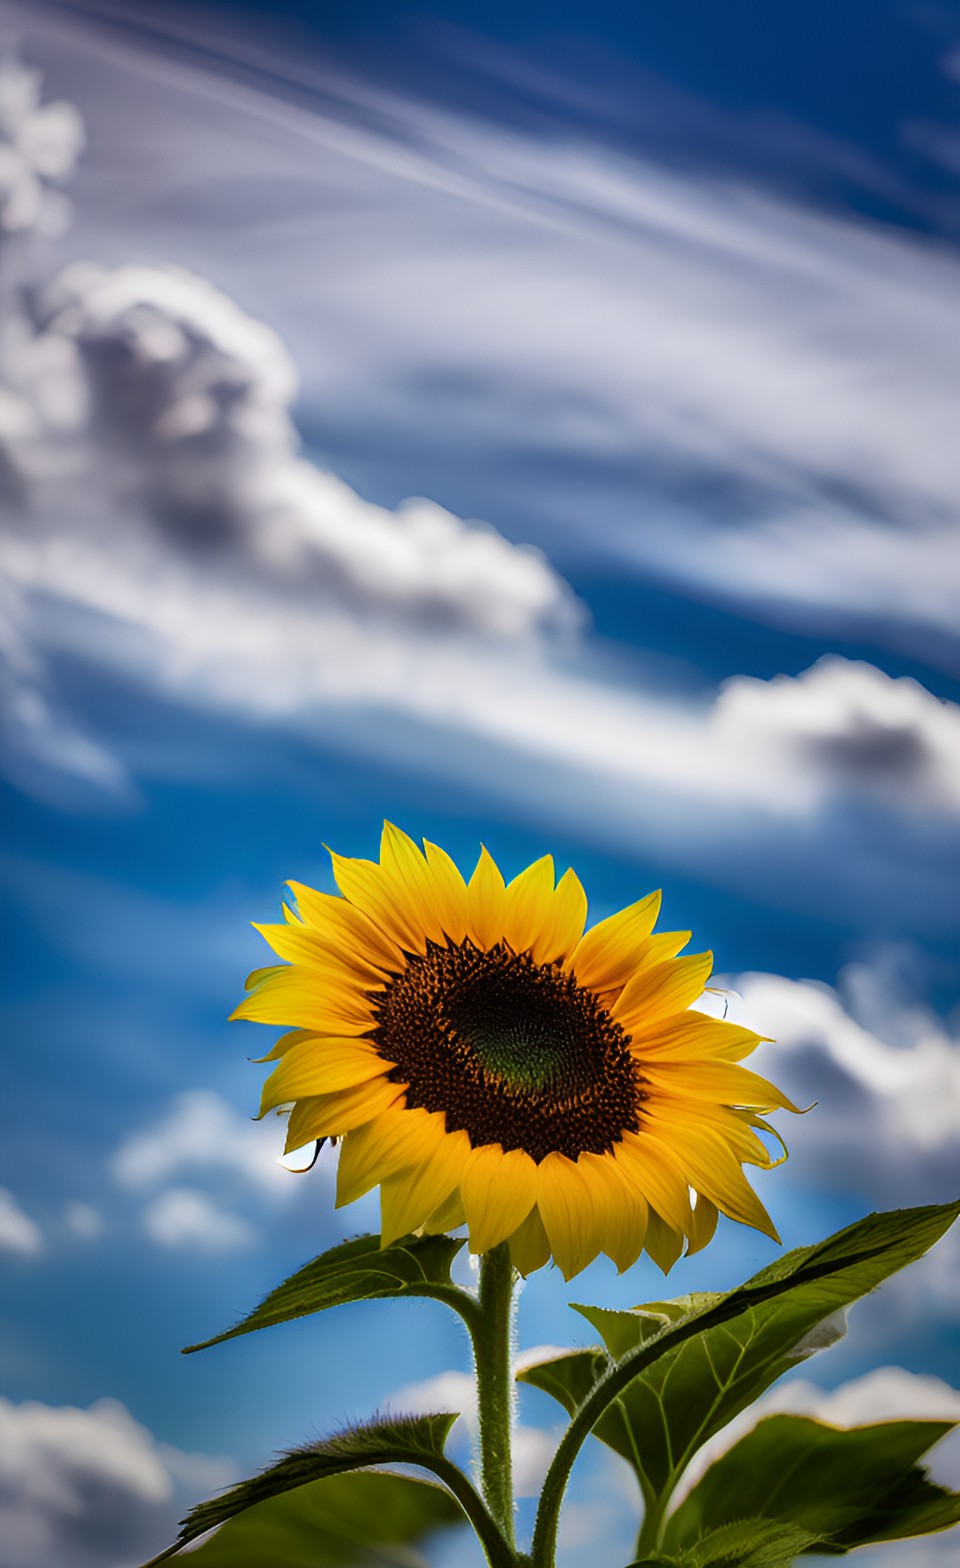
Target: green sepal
770,1324
343,1521
359,1270
847,1486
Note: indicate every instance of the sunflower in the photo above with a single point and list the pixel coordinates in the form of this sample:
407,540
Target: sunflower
487,1062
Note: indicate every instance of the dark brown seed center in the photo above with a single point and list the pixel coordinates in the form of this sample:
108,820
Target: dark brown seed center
514,1052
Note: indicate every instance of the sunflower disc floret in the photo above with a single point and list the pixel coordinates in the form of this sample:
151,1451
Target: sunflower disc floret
487,1062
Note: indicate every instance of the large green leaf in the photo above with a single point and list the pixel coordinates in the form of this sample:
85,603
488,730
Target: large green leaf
777,1319
363,1520
409,1440
359,1270
746,1543
845,1486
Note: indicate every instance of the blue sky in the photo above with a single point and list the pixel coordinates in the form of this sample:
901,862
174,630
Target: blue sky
653,311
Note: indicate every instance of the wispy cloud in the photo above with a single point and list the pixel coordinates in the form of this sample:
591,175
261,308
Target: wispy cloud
678,370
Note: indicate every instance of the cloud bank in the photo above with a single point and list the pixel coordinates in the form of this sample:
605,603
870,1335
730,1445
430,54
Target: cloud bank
171,531
89,1488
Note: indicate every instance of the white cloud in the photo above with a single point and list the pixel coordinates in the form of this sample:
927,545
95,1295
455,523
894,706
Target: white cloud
18,1232
719,383
89,1488
889,1102
185,1217
200,1132
177,537
39,145
844,728
83,1220
180,407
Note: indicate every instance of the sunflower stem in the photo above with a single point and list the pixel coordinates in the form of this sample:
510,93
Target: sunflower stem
492,1338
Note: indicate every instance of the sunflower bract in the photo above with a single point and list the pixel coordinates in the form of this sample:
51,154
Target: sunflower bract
487,1062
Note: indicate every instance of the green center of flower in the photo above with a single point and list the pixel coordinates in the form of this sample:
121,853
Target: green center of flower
513,1052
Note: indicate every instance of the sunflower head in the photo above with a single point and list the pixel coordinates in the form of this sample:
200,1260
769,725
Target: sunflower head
487,1062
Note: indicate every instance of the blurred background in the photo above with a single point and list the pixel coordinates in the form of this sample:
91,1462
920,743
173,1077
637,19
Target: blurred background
535,425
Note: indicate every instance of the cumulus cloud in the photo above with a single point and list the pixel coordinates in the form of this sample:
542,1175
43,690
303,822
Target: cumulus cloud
845,729
89,1488
18,1232
200,1131
884,1069
185,1217
180,406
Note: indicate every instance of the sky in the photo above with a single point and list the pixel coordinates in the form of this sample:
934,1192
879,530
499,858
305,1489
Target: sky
535,426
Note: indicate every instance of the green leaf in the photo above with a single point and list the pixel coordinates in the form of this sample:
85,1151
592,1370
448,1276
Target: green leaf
770,1324
746,1543
845,1486
411,1440
406,1440
344,1521
359,1270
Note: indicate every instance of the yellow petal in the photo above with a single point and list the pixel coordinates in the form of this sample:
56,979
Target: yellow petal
287,1041
294,995
530,1245
714,1171
704,1224
450,892
662,990
659,947
569,1214
498,1191
623,1212
724,1083
604,956
663,1244
658,1175
321,1067
671,1120
411,881
526,903
410,1198
563,923
374,892
331,1115
386,1144
449,1216
298,944
345,929
486,902
693,1035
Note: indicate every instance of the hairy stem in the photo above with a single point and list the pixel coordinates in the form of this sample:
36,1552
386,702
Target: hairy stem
491,1348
